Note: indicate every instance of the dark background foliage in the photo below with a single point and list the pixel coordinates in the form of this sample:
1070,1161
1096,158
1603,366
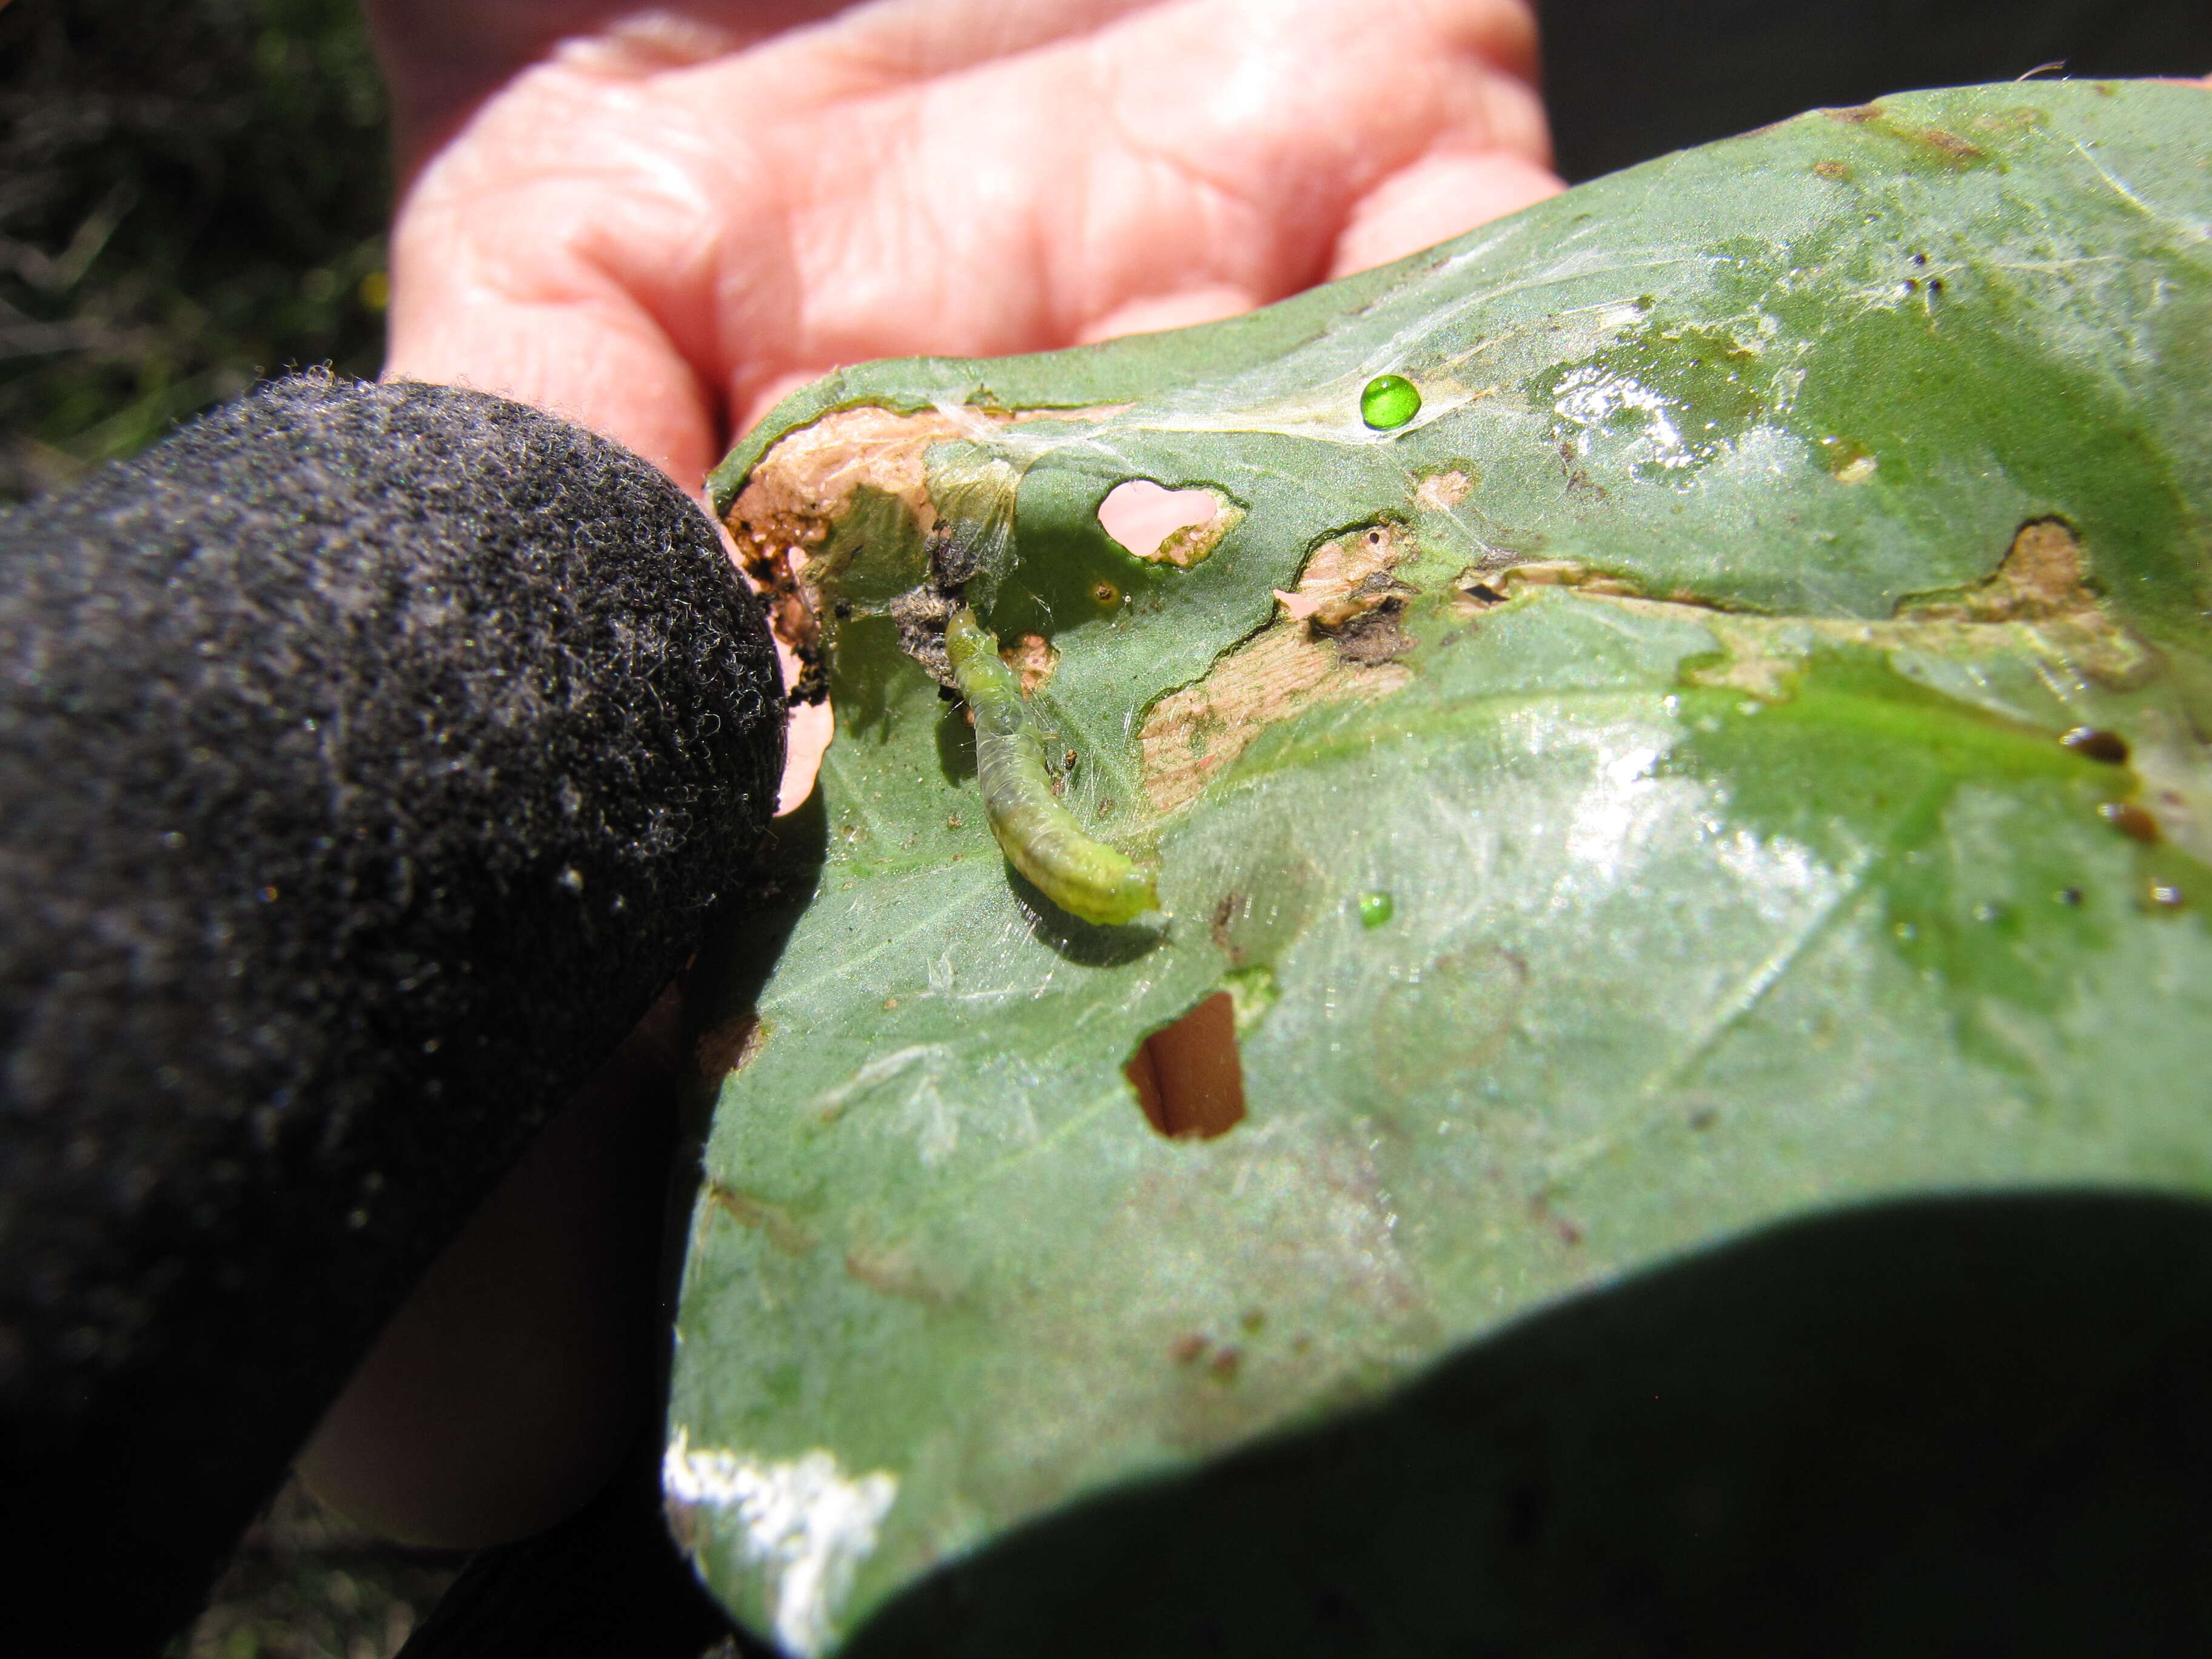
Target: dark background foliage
1628,79
193,193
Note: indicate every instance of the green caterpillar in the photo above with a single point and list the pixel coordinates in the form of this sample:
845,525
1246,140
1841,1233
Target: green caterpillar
1040,837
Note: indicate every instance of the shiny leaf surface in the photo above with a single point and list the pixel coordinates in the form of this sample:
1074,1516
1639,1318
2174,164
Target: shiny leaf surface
1624,805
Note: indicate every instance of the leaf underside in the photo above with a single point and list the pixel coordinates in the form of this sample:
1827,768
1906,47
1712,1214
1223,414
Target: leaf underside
1772,510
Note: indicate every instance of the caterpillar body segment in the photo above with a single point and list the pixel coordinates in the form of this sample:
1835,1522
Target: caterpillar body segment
1040,837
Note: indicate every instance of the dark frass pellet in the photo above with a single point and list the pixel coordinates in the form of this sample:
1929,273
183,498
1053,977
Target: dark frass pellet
1388,402
2094,743
2131,821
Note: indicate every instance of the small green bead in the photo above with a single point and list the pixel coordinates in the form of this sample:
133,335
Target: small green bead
1376,909
1389,402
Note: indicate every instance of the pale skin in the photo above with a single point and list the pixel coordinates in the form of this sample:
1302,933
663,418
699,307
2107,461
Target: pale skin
656,223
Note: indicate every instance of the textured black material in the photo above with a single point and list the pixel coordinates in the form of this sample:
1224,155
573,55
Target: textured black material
368,757
1627,80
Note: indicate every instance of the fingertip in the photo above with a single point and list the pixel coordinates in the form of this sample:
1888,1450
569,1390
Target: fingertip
812,727
1503,32
754,401
1435,199
809,727
491,294
500,1396
1155,314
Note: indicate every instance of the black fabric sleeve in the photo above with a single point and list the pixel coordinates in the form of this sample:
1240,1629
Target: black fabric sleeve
369,755
1627,80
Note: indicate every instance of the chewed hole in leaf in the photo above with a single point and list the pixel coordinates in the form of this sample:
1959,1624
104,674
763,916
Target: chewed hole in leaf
1188,1076
1166,526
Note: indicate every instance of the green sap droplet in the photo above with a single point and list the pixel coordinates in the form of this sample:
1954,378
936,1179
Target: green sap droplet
1376,909
1389,401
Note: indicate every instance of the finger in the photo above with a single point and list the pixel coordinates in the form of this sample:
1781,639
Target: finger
1209,302
612,248
1318,105
499,1396
507,287
807,740
442,60
1203,145
895,41
1434,200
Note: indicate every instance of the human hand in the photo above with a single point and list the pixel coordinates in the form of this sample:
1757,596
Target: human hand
657,223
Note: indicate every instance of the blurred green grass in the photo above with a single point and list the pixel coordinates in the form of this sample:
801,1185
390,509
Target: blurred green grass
192,194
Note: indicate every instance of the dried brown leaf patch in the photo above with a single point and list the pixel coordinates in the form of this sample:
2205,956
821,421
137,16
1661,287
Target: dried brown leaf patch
1295,662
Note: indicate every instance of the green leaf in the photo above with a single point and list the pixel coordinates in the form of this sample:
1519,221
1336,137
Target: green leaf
1646,822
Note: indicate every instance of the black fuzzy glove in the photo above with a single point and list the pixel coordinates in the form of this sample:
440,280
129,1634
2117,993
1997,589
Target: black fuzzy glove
369,755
